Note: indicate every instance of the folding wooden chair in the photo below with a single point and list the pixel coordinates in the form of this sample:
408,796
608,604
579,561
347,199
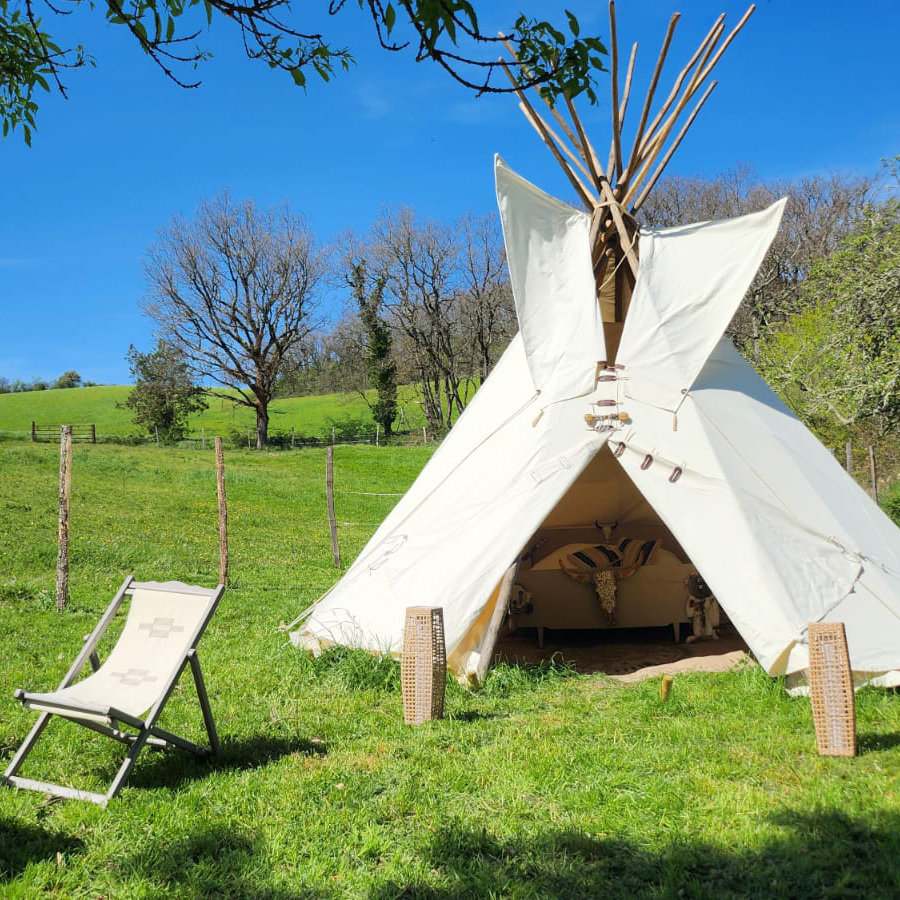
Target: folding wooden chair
165,621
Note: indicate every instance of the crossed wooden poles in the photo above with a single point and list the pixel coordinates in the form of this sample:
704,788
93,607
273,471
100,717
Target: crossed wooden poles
614,194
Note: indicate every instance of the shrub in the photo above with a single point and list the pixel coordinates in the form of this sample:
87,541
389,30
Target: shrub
891,502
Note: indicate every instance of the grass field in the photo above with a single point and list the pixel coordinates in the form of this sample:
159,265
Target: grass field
309,416
544,784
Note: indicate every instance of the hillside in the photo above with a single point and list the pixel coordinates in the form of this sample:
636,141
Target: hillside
311,416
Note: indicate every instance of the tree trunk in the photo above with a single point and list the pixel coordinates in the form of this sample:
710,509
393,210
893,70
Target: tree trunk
262,426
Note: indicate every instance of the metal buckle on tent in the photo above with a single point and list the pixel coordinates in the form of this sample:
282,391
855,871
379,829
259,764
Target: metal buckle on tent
677,472
620,449
648,461
606,378
605,402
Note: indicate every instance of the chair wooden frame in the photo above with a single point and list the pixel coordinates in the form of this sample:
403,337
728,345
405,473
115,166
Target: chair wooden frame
106,720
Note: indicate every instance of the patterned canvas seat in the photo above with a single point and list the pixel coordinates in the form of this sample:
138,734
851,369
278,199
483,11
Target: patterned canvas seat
159,638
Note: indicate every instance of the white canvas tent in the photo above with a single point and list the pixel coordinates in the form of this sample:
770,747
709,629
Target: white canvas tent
620,402
779,531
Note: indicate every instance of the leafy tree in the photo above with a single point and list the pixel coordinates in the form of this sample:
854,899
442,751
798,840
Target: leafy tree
164,392
236,291
380,367
838,360
69,379
445,31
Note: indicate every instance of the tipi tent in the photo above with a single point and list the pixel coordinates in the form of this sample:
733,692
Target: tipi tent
654,428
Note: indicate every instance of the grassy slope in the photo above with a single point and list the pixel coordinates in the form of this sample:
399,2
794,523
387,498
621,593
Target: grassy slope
539,786
311,416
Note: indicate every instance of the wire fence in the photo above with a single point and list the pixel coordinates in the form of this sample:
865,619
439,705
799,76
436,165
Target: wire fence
205,439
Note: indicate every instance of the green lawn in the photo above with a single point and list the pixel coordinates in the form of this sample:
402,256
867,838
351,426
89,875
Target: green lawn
309,416
541,785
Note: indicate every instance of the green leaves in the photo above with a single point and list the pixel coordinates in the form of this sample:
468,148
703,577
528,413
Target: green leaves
164,393
27,59
837,362
447,32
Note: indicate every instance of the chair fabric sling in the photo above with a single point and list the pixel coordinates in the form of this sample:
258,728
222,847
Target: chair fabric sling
130,688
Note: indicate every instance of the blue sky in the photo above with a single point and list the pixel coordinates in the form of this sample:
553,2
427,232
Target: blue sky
808,87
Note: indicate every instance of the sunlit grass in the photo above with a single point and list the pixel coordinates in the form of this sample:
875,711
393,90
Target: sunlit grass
311,417
544,784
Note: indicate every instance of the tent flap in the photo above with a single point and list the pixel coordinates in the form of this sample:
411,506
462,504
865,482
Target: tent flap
549,257
690,282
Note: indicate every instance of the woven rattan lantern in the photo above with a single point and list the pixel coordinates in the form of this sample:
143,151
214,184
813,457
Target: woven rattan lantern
423,670
831,690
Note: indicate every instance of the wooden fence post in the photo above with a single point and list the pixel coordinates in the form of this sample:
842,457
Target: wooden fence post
33,432
329,498
223,512
93,433
376,434
873,473
848,457
202,437
65,495
424,436
292,437
332,435
156,429
248,438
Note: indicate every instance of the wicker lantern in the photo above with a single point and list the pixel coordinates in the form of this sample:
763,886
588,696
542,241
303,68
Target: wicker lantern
423,670
831,689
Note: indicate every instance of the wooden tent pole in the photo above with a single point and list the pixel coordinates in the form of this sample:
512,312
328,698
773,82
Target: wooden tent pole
699,76
589,200
552,109
626,94
565,148
676,89
615,155
592,161
543,130
648,102
665,160
654,141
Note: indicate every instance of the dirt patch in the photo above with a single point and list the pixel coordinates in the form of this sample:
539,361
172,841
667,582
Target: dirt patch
627,654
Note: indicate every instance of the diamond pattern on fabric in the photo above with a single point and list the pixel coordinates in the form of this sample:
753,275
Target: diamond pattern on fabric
160,627
134,677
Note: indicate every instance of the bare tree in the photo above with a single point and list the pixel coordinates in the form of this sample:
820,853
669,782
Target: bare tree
447,298
487,313
236,290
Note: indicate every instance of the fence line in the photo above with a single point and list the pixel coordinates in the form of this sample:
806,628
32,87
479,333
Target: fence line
49,434
203,440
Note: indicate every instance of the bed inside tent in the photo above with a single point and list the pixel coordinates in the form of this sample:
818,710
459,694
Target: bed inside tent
601,514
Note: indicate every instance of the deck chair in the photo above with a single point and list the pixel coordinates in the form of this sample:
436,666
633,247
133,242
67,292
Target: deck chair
165,621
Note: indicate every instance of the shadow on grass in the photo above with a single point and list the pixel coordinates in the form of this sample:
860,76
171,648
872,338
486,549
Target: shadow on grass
824,853
213,861
872,743
21,844
474,715
169,768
